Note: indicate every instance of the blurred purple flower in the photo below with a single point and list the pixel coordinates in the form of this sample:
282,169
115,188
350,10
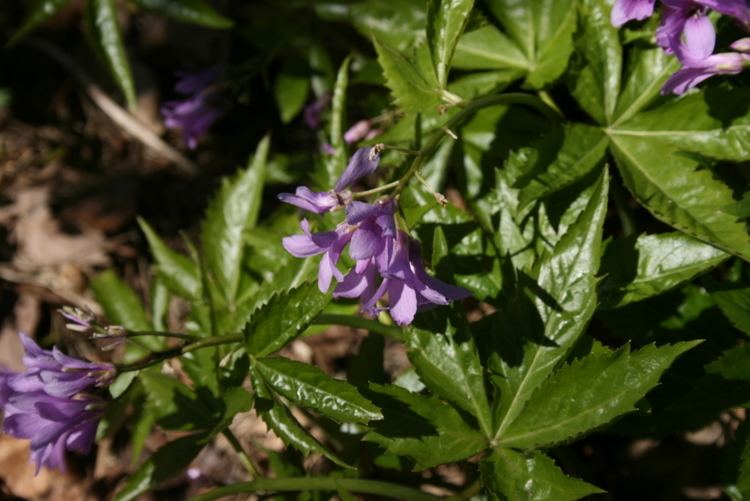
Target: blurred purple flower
79,320
50,404
727,63
741,45
629,10
314,110
194,114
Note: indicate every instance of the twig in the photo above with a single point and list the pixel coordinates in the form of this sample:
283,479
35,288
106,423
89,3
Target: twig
114,111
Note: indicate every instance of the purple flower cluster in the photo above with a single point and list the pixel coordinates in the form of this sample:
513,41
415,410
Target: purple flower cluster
687,32
50,403
387,260
194,114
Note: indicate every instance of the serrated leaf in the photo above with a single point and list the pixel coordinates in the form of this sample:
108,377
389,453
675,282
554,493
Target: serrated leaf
291,88
413,89
561,159
284,317
451,369
530,476
233,210
188,11
733,363
567,278
678,190
423,428
488,48
103,14
178,271
308,386
337,162
638,269
595,76
279,419
167,461
735,304
542,30
588,394
446,20
39,12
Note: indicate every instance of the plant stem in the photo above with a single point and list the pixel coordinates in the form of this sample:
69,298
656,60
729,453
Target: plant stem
360,323
304,484
245,458
463,115
361,194
187,337
176,352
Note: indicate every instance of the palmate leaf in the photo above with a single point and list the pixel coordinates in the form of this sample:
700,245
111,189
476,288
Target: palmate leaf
424,428
39,12
531,476
234,209
567,279
446,20
538,41
652,264
308,386
102,15
284,317
279,419
589,393
414,88
451,368
188,11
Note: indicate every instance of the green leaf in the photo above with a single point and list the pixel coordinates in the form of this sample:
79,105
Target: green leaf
337,163
652,264
446,20
167,461
107,34
735,304
561,159
291,88
120,303
234,210
595,76
188,11
308,386
423,428
451,369
588,394
279,419
567,278
733,364
284,317
179,272
678,190
543,31
413,89
487,48
174,405
39,12
530,477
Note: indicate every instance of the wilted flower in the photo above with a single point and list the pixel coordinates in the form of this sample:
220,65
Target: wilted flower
78,320
195,114
50,403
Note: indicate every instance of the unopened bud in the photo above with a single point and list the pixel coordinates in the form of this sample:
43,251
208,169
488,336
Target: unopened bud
78,319
741,45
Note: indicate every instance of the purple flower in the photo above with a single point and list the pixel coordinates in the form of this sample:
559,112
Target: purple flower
313,201
194,114
741,45
363,162
313,110
357,132
50,404
689,19
628,10
328,243
727,63
79,320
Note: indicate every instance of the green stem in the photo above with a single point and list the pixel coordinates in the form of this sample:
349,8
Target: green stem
176,352
245,458
305,484
187,337
362,194
360,323
466,113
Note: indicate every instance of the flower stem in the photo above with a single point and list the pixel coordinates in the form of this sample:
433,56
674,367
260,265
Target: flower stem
360,323
305,484
466,113
178,335
155,358
362,194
